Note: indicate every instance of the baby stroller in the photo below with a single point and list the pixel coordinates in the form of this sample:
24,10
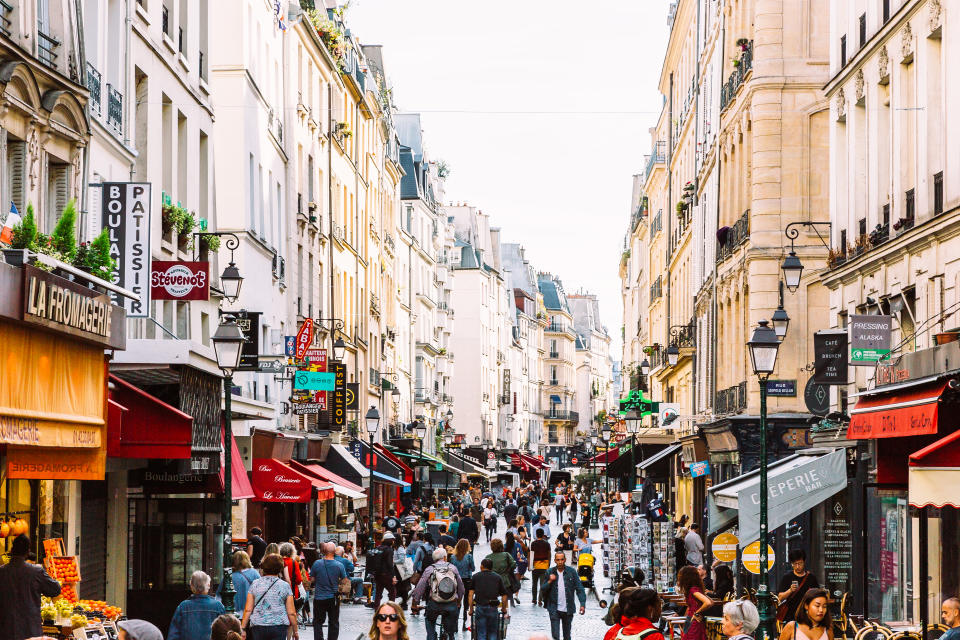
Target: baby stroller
585,570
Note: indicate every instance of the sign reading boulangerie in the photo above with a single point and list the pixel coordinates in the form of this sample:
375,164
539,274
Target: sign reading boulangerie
126,214
798,486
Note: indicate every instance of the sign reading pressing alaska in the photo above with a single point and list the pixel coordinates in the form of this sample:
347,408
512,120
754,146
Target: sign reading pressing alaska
57,303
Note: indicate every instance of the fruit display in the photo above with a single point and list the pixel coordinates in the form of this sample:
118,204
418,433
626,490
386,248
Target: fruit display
68,593
64,568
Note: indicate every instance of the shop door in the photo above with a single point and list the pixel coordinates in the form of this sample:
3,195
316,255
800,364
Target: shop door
890,566
93,540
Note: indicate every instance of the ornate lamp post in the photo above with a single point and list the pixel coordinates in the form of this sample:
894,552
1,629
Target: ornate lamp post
373,423
633,426
763,348
227,344
607,432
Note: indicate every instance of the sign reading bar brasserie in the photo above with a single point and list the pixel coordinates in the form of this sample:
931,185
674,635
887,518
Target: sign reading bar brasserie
56,303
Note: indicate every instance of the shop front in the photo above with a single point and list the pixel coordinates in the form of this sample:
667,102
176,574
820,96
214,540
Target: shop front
387,477
334,519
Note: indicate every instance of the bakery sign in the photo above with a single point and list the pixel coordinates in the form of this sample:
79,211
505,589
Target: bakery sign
179,280
68,307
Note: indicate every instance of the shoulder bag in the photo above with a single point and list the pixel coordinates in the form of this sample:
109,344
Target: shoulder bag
260,599
782,610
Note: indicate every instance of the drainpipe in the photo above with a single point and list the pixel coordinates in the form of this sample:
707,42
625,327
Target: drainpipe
669,215
333,298
696,201
713,323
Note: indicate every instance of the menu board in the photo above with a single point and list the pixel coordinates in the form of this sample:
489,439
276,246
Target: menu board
837,545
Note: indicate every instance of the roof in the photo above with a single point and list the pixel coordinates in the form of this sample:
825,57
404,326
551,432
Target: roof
552,290
410,133
469,258
409,185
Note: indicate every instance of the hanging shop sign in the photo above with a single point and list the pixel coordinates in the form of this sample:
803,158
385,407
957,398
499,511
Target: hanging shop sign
725,547
179,280
817,398
249,352
126,216
304,338
837,545
699,469
782,388
314,380
869,339
56,303
751,558
338,414
830,357
315,359
353,396
290,346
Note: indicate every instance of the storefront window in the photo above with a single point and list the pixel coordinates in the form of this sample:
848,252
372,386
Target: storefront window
943,555
890,566
39,506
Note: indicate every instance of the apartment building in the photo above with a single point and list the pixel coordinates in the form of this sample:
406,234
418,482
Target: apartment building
560,416
594,368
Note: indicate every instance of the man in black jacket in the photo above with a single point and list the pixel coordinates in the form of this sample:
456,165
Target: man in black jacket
510,510
468,529
22,584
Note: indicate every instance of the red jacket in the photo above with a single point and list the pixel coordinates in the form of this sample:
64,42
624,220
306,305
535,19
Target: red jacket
631,627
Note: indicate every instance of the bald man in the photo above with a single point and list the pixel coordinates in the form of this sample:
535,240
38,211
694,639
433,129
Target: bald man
326,573
950,614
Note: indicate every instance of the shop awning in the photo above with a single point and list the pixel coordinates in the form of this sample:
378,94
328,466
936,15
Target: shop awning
555,399
794,485
934,474
471,469
407,471
525,462
341,487
382,477
142,426
351,463
907,411
658,460
607,456
274,481
240,488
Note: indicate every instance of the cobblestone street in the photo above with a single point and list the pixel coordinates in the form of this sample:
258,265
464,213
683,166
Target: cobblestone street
525,619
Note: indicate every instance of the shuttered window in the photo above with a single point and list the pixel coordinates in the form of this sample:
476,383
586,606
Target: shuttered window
16,157
58,186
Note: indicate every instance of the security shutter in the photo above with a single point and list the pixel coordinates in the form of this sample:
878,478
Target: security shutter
16,156
93,540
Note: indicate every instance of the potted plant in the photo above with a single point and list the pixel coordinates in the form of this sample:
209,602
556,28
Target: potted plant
63,240
22,240
681,206
206,244
742,43
343,129
95,258
689,186
736,62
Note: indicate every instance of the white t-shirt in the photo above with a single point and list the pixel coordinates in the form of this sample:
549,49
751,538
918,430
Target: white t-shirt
489,513
483,502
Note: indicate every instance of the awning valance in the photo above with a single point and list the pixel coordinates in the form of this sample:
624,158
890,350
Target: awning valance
274,481
658,457
934,474
470,469
794,485
145,426
382,477
240,488
340,486
905,412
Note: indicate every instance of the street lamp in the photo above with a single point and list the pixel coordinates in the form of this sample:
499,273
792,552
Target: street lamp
673,355
372,420
607,432
230,281
780,320
792,270
763,357
421,430
633,426
338,349
228,345
792,267
645,368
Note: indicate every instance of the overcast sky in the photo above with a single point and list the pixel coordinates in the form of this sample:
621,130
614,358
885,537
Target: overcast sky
541,108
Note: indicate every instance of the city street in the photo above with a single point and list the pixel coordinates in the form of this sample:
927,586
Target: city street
525,620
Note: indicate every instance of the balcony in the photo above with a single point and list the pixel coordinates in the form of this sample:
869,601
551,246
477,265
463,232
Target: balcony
562,415
658,155
375,306
731,400
556,327
94,82
729,89
656,289
5,22
731,238
47,47
656,226
554,354
684,336
554,382
114,109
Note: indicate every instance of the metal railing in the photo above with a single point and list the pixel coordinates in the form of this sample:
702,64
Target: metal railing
94,82
114,108
5,22
656,226
559,414
736,236
729,89
165,20
656,289
556,327
658,155
47,47
554,354
685,335
731,400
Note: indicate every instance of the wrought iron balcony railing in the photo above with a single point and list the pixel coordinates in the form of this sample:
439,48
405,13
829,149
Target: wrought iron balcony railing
734,237
114,109
94,82
731,400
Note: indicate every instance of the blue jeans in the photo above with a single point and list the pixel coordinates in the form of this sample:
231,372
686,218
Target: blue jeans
486,619
447,612
272,632
556,619
357,584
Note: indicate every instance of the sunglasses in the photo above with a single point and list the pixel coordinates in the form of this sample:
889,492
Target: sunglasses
383,617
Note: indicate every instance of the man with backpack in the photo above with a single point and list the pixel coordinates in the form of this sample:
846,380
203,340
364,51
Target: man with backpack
442,588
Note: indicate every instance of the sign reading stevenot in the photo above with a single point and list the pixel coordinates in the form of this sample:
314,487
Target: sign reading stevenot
177,280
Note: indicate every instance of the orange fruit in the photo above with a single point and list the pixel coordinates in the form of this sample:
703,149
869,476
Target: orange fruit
4,530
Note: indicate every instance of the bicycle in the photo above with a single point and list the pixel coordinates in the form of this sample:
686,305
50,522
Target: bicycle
438,621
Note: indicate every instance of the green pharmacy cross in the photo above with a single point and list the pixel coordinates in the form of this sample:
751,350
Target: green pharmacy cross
636,402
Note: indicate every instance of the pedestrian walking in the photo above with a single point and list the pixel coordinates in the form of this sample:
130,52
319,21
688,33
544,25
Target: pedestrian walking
138,630
226,627
740,618
384,570
634,614
292,574
522,554
194,617
950,615
540,552
693,545
564,542
573,511
462,559
561,508
22,584
442,589
243,574
488,593
327,573
256,546
543,525
389,623
560,585
690,584
269,611
813,620
490,521
468,528
794,585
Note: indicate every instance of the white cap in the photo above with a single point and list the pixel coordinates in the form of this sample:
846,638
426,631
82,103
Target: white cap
387,536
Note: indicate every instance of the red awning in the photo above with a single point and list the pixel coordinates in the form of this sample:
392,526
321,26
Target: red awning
240,488
324,475
407,471
525,462
934,474
908,412
142,426
274,481
945,452
606,457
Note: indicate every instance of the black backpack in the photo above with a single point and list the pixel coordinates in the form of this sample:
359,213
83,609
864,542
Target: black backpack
427,559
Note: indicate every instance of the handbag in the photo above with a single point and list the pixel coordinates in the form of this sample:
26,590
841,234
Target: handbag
257,603
782,609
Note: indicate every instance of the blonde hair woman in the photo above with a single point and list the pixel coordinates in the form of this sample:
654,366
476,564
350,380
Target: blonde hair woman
389,623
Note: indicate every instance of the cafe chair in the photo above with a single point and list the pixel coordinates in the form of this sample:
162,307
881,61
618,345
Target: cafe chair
874,631
935,630
906,635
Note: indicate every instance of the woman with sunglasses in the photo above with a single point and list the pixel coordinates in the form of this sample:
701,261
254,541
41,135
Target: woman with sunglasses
813,618
389,623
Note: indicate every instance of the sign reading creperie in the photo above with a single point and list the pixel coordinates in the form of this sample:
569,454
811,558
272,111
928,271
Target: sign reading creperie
65,306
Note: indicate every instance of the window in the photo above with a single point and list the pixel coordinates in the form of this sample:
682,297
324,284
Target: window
938,193
58,185
911,205
14,187
843,241
843,51
886,11
886,217
251,195
863,29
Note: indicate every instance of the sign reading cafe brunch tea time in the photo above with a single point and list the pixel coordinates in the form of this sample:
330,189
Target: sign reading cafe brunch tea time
126,215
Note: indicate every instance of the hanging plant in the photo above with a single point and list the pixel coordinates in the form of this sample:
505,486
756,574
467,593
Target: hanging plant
681,206
736,62
742,42
689,186
209,243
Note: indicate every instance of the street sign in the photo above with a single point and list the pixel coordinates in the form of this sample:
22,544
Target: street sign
725,547
782,388
574,460
869,339
314,380
491,455
751,557
698,469
304,338
830,357
290,346
668,412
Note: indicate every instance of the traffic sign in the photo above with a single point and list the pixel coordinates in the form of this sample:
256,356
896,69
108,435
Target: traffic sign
725,547
574,460
751,557
304,338
314,381
491,455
